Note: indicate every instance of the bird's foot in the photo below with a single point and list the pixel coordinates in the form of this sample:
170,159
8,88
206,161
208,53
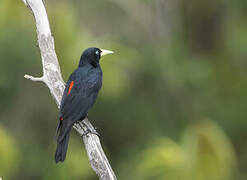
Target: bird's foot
89,130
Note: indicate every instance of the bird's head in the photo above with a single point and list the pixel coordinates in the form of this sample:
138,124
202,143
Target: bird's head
92,56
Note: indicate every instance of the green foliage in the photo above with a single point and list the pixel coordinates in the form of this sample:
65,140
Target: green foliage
9,154
209,152
205,153
75,167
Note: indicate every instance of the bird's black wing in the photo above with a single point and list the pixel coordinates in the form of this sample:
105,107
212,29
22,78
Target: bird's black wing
80,93
79,96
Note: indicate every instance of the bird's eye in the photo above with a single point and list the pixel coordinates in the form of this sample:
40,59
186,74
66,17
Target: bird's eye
97,52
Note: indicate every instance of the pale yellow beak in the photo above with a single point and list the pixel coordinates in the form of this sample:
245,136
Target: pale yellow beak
105,52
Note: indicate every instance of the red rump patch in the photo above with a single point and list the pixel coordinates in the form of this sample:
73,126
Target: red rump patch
70,87
61,118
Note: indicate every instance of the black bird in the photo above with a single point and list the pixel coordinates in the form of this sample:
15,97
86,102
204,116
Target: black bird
79,96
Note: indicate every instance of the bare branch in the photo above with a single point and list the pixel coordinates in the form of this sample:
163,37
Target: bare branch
53,79
37,79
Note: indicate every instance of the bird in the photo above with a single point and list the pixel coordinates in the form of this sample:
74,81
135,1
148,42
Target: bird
79,96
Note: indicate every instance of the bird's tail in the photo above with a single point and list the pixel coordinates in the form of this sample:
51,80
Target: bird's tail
62,142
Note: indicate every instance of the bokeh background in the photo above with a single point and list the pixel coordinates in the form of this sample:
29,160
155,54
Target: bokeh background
173,103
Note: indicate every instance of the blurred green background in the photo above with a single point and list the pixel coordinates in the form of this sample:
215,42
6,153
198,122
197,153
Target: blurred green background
173,103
